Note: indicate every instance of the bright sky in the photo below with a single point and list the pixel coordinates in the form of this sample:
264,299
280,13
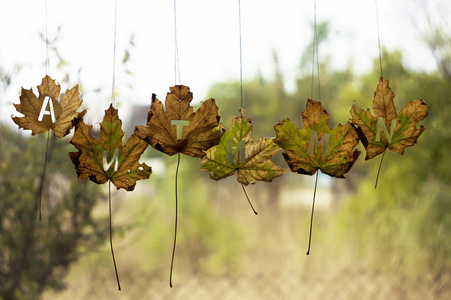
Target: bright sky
208,40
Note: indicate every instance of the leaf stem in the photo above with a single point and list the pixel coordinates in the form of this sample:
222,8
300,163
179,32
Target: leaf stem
111,237
379,169
248,200
41,186
176,221
311,217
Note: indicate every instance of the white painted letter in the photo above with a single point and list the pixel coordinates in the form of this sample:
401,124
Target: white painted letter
107,165
314,140
43,112
179,124
381,124
241,147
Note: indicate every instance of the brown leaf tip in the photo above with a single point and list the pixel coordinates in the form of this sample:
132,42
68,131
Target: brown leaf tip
182,92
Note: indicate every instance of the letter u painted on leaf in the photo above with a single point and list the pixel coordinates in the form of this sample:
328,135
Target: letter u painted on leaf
44,110
114,159
231,154
179,124
314,140
381,124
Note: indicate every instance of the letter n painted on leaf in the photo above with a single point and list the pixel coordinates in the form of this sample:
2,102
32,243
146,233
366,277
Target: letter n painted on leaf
241,146
114,159
314,140
179,124
381,124
44,110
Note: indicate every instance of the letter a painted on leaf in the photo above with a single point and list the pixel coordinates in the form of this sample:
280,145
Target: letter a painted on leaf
50,112
381,124
241,146
179,124
107,165
314,140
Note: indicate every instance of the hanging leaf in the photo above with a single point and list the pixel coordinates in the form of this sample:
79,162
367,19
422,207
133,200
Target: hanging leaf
386,128
176,128
316,146
236,152
45,112
105,158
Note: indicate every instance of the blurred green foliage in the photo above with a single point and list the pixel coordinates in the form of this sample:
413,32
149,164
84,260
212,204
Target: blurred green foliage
37,254
208,241
404,224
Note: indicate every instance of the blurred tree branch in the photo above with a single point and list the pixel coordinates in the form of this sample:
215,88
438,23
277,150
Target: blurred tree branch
437,33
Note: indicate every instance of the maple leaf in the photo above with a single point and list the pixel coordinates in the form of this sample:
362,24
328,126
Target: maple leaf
316,146
45,112
236,152
399,129
106,158
178,129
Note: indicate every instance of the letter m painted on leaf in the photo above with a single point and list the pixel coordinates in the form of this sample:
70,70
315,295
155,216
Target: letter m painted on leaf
314,140
381,124
114,159
241,147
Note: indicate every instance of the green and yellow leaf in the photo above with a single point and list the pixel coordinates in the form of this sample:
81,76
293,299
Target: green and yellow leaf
386,128
253,165
316,146
106,158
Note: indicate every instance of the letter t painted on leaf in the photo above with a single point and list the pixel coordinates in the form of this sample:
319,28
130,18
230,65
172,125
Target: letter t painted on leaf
179,124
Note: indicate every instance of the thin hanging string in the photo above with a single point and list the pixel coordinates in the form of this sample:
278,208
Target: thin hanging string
113,84
176,222
41,185
176,48
241,57
111,237
311,216
47,63
315,54
378,38
113,103
47,67
241,92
